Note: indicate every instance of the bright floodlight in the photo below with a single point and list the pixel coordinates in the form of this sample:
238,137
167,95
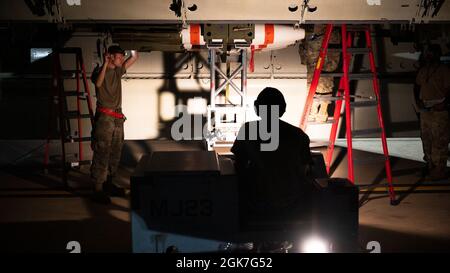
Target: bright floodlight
315,245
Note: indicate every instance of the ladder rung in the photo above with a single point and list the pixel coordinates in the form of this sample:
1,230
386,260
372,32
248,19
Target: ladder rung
354,28
335,98
357,50
331,74
79,163
74,94
352,76
76,115
71,71
329,121
360,76
364,103
366,131
71,74
330,98
78,139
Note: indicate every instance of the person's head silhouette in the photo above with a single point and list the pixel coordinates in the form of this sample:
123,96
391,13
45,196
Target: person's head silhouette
269,100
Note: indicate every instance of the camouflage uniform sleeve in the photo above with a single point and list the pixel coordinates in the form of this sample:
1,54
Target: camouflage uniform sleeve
331,62
302,52
332,59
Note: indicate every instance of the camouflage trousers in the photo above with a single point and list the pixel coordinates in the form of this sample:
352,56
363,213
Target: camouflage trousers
325,85
107,142
319,108
435,138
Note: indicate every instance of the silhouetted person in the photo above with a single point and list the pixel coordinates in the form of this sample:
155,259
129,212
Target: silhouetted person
432,95
273,178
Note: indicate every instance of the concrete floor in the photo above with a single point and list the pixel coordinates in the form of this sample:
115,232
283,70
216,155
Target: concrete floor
38,215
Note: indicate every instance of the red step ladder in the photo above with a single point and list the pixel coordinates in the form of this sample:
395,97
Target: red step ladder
343,95
58,108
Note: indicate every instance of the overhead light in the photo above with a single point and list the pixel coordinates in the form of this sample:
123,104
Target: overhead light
39,53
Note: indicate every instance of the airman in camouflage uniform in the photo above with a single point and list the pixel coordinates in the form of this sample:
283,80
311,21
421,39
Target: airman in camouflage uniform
433,81
107,133
310,54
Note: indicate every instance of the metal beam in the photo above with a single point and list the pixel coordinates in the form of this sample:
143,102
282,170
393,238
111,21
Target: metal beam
236,11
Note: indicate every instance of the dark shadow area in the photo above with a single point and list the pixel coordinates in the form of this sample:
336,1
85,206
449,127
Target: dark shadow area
338,159
133,150
45,195
380,177
50,179
377,197
98,230
404,126
103,232
172,65
395,241
404,172
34,174
99,234
402,196
25,101
219,217
25,88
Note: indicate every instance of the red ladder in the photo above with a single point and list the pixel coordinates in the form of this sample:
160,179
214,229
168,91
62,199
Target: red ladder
343,95
58,97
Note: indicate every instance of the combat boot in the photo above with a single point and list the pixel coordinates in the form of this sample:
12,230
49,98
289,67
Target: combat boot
98,195
321,118
437,174
314,111
112,189
101,197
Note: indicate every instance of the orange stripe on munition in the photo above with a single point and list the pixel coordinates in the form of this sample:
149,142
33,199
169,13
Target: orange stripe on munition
270,34
195,34
252,59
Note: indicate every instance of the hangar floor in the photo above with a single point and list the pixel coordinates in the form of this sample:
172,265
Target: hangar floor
38,215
